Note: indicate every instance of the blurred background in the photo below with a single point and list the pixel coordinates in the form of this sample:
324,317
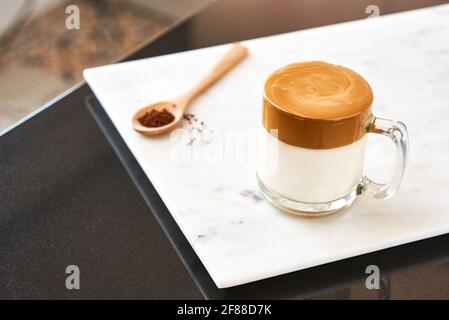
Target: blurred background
40,57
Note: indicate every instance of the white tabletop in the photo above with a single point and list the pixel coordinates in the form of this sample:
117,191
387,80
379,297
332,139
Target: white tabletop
217,204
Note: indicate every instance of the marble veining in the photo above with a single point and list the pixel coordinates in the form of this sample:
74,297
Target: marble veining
237,235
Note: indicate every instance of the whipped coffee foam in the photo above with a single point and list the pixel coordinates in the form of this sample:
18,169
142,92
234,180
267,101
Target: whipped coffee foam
317,105
318,90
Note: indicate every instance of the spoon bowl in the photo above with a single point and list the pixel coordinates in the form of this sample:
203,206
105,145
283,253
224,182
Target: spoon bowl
171,106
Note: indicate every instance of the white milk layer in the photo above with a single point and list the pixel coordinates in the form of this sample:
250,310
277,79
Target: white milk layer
309,175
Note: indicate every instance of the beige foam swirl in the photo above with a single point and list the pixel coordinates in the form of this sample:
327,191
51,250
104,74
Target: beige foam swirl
318,90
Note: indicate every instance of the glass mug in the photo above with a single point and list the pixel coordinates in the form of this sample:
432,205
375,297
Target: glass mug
315,120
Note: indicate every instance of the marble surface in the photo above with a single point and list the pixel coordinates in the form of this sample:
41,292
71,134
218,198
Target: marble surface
205,171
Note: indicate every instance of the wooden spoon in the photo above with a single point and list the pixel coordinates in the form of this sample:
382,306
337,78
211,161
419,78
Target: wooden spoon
178,106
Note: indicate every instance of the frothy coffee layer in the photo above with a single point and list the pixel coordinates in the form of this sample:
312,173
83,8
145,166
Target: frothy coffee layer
318,90
317,105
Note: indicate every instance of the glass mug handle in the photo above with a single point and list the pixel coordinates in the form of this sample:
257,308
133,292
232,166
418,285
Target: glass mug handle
397,132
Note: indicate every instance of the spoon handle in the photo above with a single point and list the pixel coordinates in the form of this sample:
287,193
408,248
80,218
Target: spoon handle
226,63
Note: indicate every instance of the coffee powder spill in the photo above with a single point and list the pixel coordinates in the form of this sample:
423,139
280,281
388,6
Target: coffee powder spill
196,130
156,118
191,141
188,117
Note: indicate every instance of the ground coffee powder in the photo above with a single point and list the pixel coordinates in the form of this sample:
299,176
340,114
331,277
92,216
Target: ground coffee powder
156,118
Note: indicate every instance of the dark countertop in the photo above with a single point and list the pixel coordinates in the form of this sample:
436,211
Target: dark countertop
68,196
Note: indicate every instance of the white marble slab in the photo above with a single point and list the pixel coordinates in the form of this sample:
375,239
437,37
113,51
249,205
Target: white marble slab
238,236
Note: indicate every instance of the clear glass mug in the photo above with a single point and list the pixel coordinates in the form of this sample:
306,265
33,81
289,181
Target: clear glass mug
312,140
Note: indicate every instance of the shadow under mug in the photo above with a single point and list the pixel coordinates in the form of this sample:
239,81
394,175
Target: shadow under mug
314,167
